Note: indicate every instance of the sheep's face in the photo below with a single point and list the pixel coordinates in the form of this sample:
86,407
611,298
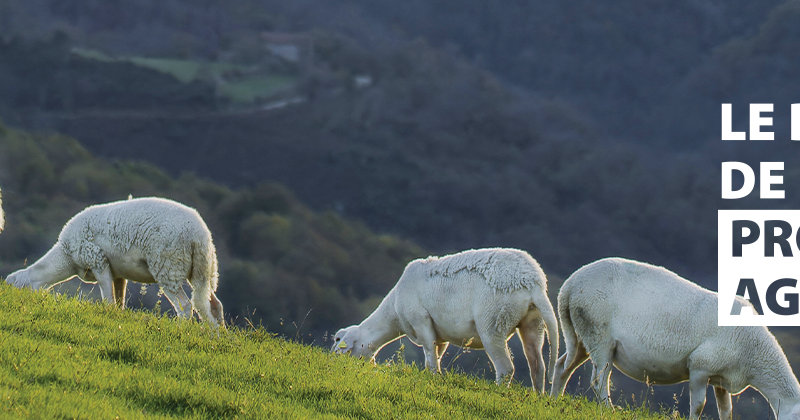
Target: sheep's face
345,340
350,340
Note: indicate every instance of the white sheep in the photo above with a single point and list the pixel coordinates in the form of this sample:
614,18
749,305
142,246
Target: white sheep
659,328
476,298
146,240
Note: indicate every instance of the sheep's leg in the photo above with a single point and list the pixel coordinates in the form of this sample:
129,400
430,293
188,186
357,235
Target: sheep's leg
698,382
426,336
566,366
601,382
602,360
119,291
106,283
429,348
497,350
531,333
440,349
180,302
431,362
724,404
216,310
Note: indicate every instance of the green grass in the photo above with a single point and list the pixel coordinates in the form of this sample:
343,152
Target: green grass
65,358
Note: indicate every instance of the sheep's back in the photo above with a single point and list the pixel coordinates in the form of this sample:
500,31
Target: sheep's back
502,269
634,302
164,230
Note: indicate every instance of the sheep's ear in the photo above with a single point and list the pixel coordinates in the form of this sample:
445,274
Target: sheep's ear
345,345
345,338
339,342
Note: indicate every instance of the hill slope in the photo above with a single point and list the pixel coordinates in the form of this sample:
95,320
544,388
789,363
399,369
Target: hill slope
64,358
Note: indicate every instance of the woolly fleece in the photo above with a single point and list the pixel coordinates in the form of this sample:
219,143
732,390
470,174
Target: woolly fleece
504,269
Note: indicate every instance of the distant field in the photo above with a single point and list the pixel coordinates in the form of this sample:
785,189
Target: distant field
183,70
250,89
242,90
65,358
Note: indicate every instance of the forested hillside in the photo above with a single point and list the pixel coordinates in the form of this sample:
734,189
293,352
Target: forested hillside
573,135
435,150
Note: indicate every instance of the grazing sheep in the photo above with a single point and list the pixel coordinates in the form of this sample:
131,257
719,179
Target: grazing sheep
659,328
476,298
147,240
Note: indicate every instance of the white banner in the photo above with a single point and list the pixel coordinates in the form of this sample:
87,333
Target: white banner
759,258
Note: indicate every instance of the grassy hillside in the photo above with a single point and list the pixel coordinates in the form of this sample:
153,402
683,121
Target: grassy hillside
65,358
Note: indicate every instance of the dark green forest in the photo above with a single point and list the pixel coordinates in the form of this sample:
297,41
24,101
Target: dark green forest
437,151
573,130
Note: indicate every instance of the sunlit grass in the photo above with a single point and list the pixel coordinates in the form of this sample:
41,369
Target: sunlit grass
65,358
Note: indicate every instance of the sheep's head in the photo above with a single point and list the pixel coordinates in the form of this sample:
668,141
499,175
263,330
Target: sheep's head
347,340
27,278
19,278
354,340
344,339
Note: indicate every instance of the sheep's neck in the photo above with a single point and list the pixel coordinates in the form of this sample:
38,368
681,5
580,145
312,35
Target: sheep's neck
772,375
55,266
382,325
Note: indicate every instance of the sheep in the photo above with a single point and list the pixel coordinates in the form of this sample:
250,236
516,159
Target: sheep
146,240
659,328
478,298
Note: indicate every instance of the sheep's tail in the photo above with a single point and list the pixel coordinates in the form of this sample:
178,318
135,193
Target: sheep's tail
568,332
204,281
542,302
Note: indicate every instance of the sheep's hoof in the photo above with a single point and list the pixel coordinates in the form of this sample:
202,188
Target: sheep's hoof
505,380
